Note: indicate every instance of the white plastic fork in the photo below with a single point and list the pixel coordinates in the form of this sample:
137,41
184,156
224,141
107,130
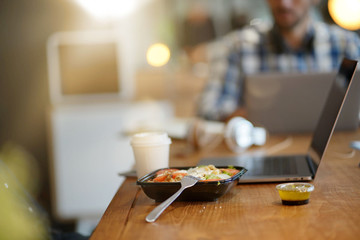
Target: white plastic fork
186,182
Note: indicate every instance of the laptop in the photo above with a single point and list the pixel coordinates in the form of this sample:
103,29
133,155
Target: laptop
298,167
292,102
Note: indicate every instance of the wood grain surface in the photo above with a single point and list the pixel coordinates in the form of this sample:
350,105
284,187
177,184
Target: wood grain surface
248,211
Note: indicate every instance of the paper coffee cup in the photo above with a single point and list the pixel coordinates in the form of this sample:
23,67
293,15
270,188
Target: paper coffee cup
151,151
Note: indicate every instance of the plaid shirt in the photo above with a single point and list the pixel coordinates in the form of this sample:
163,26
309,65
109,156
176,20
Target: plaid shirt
262,49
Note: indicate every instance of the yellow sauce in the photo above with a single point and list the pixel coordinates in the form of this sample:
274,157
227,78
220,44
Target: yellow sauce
295,193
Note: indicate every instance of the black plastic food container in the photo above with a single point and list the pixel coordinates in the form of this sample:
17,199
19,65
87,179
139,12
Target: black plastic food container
201,191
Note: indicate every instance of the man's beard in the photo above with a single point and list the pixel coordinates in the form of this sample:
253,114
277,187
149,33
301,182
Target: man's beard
290,26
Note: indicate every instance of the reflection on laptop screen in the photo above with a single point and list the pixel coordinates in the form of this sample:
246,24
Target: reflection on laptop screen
330,112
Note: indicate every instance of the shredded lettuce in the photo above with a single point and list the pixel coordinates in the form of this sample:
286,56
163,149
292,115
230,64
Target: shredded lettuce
211,176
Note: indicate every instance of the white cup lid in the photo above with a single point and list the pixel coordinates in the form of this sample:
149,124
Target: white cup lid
150,139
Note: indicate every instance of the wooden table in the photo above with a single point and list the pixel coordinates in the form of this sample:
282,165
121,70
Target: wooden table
248,211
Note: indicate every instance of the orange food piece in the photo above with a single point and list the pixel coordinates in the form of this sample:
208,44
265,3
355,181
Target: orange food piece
160,178
178,175
229,171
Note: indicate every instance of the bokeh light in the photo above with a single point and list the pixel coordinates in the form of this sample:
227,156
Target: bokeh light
110,9
158,55
345,13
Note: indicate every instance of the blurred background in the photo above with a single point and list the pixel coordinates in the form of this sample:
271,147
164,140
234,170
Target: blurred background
77,77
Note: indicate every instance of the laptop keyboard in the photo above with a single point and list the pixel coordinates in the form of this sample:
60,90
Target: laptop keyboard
274,165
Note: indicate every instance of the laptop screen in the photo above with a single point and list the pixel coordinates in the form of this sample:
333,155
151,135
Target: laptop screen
332,109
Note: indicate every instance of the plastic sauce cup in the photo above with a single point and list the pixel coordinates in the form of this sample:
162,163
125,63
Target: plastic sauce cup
295,193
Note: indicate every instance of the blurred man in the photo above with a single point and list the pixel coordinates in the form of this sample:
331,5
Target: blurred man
295,43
